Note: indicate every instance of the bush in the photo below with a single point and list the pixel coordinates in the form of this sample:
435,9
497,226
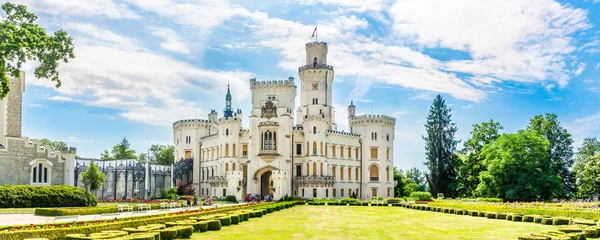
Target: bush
231,198
167,233
421,196
100,235
235,219
185,231
169,193
225,221
546,221
490,215
534,238
517,218
537,219
501,216
26,196
528,218
213,225
201,226
560,221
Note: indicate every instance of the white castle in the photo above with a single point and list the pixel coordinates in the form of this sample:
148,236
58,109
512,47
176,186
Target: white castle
308,158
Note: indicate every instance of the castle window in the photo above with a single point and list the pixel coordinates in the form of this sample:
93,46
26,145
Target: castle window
387,137
387,154
314,173
41,171
271,98
341,173
334,193
314,130
227,132
374,173
226,168
298,149
233,150
299,170
315,62
314,148
349,176
387,173
373,153
356,171
374,136
333,171
227,149
245,150
269,140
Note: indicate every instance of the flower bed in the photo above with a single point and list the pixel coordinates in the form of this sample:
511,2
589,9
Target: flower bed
568,210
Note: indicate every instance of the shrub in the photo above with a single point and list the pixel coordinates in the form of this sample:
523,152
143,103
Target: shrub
509,217
235,219
258,213
421,196
225,221
490,215
534,238
459,212
474,213
501,216
517,218
201,226
451,210
231,198
167,233
26,196
546,221
100,235
537,219
213,225
528,218
560,221
185,231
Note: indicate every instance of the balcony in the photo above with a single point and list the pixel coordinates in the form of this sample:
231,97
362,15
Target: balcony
315,180
217,180
318,66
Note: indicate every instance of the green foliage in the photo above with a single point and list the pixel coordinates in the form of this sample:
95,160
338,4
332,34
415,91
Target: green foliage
587,168
81,210
93,177
518,168
22,40
162,154
225,221
169,193
185,231
414,175
440,149
421,196
231,198
57,145
25,196
472,159
120,151
560,150
213,225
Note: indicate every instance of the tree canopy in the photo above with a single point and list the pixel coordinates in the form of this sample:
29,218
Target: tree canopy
587,168
518,168
92,177
120,151
22,40
57,145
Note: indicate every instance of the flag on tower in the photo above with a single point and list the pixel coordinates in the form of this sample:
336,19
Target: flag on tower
315,31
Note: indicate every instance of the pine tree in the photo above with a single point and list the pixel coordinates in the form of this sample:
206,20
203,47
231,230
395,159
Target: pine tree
440,149
93,178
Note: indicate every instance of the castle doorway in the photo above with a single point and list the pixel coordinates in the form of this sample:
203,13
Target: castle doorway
266,184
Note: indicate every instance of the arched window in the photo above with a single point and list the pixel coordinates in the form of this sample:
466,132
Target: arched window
227,149
41,172
314,130
374,173
269,140
321,149
212,172
314,148
349,173
356,172
372,136
316,101
387,137
274,141
315,62
233,150
387,173
375,136
314,173
226,168
227,132
233,167
321,169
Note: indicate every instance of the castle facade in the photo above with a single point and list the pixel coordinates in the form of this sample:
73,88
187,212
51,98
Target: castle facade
287,150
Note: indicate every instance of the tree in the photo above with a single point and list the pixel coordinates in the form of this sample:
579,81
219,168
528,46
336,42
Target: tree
560,151
440,148
22,40
471,158
399,178
416,176
143,158
56,145
93,178
162,154
120,151
587,168
518,168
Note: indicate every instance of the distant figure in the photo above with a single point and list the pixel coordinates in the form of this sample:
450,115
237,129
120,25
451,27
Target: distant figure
189,201
195,201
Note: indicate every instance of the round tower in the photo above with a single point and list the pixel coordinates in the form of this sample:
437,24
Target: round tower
316,83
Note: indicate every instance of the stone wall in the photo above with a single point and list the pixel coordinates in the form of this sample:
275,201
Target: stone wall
15,158
14,106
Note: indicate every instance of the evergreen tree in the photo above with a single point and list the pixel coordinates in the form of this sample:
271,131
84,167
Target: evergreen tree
472,159
440,148
93,178
560,151
120,151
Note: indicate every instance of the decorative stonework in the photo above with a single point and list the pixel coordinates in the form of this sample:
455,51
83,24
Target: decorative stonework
269,110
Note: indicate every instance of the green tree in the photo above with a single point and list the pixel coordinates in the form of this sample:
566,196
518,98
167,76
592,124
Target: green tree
440,149
399,178
57,145
518,168
587,168
162,154
120,151
93,178
143,158
472,160
22,40
417,177
560,151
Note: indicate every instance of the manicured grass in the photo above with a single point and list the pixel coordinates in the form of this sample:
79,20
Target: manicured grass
17,210
352,222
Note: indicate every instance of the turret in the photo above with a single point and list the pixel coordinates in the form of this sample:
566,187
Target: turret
213,116
316,83
351,109
316,54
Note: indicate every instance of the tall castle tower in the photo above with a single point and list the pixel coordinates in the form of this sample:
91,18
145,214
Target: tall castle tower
316,78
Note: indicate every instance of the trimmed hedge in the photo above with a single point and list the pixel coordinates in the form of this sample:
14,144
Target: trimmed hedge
81,210
546,221
213,225
553,212
26,196
517,218
235,219
99,235
184,231
225,221
560,221
528,218
167,233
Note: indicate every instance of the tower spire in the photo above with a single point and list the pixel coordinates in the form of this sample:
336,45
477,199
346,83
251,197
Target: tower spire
228,111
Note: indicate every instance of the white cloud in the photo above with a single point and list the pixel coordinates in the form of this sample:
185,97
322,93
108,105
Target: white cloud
350,23
424,96
171,40
61,98
91,8
598,66
350,5
77,140
35,105
584,127
527,41
468,106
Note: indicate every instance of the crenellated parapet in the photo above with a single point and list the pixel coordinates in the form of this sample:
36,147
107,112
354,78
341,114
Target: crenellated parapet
369,119
233,120
254,84
186,123
343,134
315,117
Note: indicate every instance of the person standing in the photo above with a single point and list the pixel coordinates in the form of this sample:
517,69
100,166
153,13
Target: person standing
189,201
195,201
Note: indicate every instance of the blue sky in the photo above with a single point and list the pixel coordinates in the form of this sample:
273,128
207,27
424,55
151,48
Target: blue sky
143,64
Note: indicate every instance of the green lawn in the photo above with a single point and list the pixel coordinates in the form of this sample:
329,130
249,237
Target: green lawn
32,210
350,222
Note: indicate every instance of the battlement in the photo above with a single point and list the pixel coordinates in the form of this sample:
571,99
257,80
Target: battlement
370,118
315,117
343,134
234,119
316,44
191,122
312,67
254,84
